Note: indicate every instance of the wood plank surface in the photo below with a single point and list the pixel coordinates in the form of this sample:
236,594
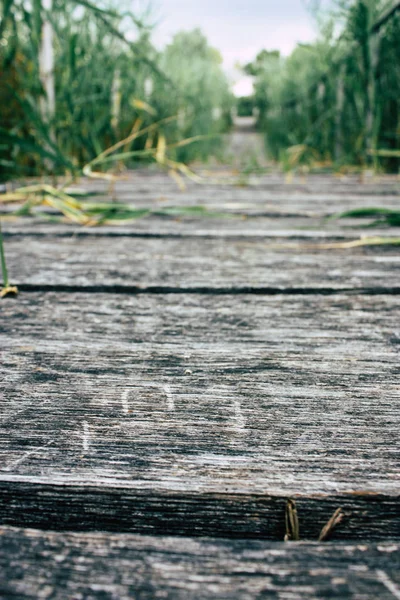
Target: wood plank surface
200,414
41,565
267,206
202,410
268,372
260,200
198,264
314,196
237,225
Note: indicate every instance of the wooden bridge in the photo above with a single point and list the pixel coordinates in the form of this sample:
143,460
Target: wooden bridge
168,386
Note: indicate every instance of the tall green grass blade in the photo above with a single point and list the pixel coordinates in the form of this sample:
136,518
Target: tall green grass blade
7,289
90,47
386,216
3,260
358,213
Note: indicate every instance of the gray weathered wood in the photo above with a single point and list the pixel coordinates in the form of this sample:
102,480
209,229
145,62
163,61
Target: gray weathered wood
197,263
235,226
39,565
316,196
200,414
267,207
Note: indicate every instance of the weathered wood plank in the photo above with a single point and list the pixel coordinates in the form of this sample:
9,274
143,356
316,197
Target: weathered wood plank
40,565
235,226
256,200
268,206
126,507
216,407
155,182
314,197
199,415
197,263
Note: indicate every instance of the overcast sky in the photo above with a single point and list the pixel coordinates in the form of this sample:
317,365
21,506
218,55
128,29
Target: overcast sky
238,28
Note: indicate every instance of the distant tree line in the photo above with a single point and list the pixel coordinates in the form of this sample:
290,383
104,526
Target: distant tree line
338,100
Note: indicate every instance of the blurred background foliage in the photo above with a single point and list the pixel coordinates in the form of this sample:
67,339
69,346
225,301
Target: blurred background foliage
336,101
202,99
105,86
333,103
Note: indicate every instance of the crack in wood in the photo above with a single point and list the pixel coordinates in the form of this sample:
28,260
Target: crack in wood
209,291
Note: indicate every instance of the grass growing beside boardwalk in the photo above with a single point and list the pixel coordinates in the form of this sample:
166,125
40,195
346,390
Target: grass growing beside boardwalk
104,84
335,101
7,289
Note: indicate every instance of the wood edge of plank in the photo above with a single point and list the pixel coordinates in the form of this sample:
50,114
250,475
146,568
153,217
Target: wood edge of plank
366,515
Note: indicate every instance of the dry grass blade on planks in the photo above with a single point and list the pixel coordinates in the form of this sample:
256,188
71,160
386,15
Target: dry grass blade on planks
291,522
333,522
78,210
73,207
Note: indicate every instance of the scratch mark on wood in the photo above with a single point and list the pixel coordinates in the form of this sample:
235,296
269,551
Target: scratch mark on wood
239,419
86,436
388,583
18,461
124,400
170,398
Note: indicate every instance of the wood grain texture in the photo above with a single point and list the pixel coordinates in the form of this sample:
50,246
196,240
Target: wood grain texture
315,196
236,226
41,565
195,263
200,413
267,207
129,507
124,408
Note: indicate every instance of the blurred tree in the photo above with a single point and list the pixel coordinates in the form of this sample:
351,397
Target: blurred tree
201,97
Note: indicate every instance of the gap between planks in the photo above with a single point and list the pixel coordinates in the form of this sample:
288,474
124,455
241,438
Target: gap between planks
208,291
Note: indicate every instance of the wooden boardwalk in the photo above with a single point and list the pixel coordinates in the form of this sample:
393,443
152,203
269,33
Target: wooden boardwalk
168,384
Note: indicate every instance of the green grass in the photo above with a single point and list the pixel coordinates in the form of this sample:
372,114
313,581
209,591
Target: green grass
339,96
382,216
106,86
7,289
